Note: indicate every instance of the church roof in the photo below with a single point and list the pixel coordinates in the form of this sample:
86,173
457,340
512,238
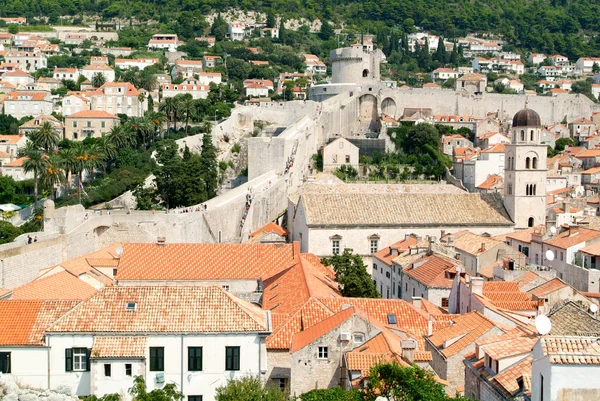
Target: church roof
526,118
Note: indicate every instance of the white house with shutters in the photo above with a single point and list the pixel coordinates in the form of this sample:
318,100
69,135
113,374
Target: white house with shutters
195,337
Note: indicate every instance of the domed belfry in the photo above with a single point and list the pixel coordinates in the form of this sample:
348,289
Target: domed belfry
525,171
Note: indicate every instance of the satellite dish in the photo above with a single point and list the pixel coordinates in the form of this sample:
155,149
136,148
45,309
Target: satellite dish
120,251
553,230
593,308
543,324
549,255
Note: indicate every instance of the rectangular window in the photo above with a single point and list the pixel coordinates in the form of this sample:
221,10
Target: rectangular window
157,359
335,246
107,370
194,398
89,124
194,358
4,362
444,302
323,353
374,267
347,159
74,124
128,371
80,359
561,256
280,383
374,245
359,339
232,358
375,283
103,124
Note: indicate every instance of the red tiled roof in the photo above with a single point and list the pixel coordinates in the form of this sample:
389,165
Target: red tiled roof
546,288
571,350
463,332
303,338
566,240
93,114
204,261
508,378
270,228
60,286
492,181
387,254
508,295
431,271
163,309
119,347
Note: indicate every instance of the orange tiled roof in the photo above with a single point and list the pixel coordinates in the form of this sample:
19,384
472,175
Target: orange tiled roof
63,286
526,278
387,254
474,244
24,322
497,148
589,153
549,286
270,228
93,114
510,347
592,249
204,261
465,330
363,362
17,162
571,350
488,271
10,139
119,347
163,309
508,378
565,241
494,180
431,271
305,337
508,295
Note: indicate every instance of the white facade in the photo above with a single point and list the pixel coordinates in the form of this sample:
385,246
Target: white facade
71,74
31,61
29,365
89,72
338,153
237,31
206,78
197,91
141,63
253,361
74,104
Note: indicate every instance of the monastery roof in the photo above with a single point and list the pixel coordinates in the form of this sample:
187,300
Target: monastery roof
463,332
119,347
568,238
24,322
59,286
404,209
163,309
204,261
566,350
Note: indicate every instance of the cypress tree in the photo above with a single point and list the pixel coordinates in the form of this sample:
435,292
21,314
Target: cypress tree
209,165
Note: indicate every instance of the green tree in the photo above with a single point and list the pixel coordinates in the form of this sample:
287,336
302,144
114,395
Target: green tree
326,31
69,164
332,394
13,29
167,393
169,108
395,382
209,166
249,388
561,144
271,19
122,136
596,68
351,274
8,232
34,163
45,137
98,79
219,28
53,174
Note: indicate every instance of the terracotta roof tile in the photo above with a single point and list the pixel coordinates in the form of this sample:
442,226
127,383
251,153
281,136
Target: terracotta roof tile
163,309
571,350
92,114
508,295
568,238
305,337
60,286
526,235
204,261
388,253
24,322
549,286
431,271
270,228
119,347
510,347
464,331
508,379
493,181
474,244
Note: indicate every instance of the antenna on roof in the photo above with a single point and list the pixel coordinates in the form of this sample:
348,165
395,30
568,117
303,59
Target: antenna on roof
543,324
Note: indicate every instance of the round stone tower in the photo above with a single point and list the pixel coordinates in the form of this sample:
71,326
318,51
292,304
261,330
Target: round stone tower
353,65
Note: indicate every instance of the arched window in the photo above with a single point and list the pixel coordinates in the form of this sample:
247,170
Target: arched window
534,163
530,222
522,135
527,190
531,135
365,73
527,163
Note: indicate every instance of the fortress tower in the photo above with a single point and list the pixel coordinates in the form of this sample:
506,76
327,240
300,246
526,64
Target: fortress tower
353,65
525,171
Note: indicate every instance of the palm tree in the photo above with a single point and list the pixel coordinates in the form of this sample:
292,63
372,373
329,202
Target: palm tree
52,174
98,79
187,107
142,126
68,158
122,136
107,148
157,119
147,80
45,137
35,162
168,107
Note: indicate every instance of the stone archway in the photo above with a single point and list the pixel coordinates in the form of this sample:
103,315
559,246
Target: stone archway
388,106
368,114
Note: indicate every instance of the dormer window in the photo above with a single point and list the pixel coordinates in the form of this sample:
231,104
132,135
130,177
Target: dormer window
131,306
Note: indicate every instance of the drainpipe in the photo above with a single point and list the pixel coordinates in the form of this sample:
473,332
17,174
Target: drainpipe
48,345
182,363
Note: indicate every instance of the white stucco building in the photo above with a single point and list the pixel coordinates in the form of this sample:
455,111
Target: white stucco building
338,153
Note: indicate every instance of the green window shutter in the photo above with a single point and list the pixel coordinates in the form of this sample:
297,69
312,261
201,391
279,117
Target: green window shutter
87,359
68,360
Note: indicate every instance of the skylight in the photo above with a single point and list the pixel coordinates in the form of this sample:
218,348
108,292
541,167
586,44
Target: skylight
392,319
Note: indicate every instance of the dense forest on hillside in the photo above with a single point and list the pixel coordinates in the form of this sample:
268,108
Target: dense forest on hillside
553,26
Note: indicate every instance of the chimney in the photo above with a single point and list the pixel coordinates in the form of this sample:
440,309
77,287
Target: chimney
406,236
483,247
408,350
430,326
442,233
450,240
416,301
477,285
161,241
565,207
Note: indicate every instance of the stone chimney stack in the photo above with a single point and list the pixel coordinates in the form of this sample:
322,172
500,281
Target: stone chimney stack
477,285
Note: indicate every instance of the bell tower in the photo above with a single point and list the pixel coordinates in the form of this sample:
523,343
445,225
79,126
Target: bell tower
525,171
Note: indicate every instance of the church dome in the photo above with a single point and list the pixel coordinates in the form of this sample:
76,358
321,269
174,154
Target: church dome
526,118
